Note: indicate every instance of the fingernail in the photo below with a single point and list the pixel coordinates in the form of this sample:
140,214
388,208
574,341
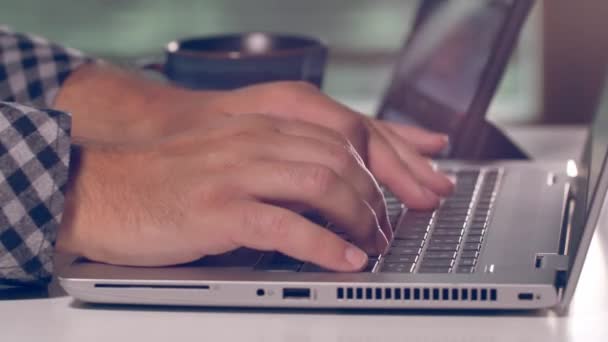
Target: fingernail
452,179
445,138
356,257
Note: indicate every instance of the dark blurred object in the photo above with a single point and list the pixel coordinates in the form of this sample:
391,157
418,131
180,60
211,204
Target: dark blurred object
22,293
237,60
575,57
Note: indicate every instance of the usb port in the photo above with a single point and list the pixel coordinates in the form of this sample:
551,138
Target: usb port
525,296
296,293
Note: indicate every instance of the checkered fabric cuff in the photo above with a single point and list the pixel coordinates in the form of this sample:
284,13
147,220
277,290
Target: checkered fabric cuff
34,153
34,156
32,69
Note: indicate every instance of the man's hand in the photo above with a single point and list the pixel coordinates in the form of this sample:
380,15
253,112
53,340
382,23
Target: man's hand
238,182
392,152
114,106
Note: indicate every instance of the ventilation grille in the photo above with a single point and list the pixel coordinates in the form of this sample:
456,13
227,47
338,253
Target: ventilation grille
417,294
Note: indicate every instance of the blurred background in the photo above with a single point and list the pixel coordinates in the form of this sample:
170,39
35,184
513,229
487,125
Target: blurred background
554,77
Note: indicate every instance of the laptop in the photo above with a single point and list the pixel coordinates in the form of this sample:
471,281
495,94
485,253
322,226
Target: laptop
486,247
449,69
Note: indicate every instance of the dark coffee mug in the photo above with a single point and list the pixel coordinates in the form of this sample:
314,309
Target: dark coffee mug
237,60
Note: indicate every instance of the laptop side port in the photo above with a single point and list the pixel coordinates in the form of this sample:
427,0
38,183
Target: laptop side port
296,293
525,296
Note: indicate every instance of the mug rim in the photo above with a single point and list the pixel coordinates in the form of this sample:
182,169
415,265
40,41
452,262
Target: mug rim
173,47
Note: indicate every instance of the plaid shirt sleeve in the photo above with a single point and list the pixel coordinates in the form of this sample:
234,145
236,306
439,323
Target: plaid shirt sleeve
34,154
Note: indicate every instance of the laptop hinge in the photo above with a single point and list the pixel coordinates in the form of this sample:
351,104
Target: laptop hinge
554,261
557,262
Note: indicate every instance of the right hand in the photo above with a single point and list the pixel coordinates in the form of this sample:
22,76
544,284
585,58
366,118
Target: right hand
238,183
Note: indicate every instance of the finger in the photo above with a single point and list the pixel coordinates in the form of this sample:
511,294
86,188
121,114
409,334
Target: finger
421,168
327,135
421,140
394,173
304,129
314,187
339,159
299,128
266,227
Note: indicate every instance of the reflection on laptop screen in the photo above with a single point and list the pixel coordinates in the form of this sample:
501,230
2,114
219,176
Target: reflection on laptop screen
444,61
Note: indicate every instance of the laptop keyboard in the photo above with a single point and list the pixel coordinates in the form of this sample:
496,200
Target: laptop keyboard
447,240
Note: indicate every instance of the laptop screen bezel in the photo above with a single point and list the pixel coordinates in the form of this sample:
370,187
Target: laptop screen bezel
464,138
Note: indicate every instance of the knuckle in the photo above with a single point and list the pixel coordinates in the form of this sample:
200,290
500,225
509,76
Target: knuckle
256,122
289,90
319,179
353,124
342,158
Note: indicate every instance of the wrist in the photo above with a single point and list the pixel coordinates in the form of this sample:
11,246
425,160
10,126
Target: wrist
111,105
94,192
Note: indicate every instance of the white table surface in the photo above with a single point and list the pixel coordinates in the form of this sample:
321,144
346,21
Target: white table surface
60,318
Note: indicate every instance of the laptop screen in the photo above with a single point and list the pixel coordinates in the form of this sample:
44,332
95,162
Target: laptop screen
592,187
441,69
597,146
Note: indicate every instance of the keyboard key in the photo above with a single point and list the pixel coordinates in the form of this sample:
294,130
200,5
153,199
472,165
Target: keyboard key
419,230
407,226
436,247
452,218
417,213
407,243
465,269
476,231
478,226
394,258
437,262
397,267
445,239
474,239
485,201
447,232
480,219
450,225
469,254
439,255
467,262
415,220
402,234
434,270
481,214
458,205
471,247
468,173
404,251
